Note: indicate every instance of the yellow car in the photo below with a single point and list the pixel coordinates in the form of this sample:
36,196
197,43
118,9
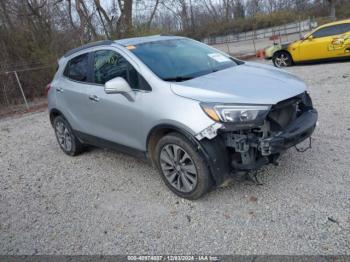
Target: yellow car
329,41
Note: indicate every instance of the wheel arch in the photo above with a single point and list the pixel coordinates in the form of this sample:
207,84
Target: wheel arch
54,113
158,131
283,51
213,151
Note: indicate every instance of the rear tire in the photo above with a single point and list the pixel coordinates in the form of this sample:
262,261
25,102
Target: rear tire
182,167
68,142
282,59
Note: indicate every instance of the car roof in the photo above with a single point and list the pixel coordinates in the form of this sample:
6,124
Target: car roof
145,39
93,44
335,23
124,42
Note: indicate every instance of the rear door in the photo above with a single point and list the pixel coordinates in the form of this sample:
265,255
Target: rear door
340,44
115,117
72,92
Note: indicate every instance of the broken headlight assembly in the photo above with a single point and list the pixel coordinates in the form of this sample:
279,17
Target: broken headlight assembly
242,115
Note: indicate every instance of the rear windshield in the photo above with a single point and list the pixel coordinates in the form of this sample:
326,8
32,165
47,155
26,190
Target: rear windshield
181,59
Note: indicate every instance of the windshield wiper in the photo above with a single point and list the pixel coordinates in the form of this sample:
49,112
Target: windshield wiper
178,78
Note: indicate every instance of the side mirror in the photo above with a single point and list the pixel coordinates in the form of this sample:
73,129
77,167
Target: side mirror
118,85
310,38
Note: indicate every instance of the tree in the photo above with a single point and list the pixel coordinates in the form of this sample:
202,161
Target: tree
127,15
332,9
152,14
253,7
238,9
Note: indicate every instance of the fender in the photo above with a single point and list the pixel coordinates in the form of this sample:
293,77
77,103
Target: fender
271,50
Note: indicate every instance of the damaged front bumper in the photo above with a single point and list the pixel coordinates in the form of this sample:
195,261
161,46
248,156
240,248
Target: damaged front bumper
294,133
229,150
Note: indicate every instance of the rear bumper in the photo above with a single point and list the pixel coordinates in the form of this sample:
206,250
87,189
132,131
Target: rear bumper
296,132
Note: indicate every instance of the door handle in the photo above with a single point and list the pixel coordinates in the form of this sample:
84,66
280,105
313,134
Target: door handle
59,90
94,98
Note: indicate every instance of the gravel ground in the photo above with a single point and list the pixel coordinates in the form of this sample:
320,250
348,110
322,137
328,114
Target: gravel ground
104,202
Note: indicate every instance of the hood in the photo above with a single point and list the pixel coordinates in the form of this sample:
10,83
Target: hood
286,44
249,83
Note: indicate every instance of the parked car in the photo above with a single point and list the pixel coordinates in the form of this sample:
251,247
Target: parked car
327,42
197,114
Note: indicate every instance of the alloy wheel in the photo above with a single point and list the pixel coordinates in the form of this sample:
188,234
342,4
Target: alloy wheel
64,136
282,60
178,168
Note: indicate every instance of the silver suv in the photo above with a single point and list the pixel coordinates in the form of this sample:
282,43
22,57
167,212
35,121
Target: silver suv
199,115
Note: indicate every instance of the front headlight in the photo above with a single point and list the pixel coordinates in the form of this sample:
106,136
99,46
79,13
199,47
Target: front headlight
239,114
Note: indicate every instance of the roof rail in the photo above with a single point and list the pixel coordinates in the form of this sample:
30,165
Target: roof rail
98,43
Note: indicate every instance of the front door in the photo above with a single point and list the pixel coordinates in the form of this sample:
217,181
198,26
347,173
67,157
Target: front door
116,117
314,48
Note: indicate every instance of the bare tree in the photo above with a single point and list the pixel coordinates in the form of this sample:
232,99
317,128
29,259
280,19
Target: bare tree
152,14
332,9
253,7
127,14
108,29
238,9
86,23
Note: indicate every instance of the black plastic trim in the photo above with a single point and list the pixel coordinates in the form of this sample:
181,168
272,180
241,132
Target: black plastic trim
53,112
103,143
155,129
296,132
332,59
215,152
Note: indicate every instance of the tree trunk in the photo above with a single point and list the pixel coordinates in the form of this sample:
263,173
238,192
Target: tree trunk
128,15
102,12
152,15
332,9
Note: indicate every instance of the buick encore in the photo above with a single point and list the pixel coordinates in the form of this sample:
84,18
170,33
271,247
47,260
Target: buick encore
199,115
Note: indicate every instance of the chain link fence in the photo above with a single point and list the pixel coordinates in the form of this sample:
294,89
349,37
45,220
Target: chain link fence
24,89
248,43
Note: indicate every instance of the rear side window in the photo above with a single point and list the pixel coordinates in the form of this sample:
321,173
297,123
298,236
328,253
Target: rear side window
109,64
332,30
78,68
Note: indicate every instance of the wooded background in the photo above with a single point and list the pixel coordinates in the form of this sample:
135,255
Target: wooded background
35,33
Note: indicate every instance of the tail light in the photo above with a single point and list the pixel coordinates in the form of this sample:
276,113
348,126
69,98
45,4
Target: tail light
47,88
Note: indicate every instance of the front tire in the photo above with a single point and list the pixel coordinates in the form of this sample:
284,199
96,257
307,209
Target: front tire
68,142
282,59
182,167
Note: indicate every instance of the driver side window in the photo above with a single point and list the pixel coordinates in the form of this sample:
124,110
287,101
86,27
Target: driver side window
108,64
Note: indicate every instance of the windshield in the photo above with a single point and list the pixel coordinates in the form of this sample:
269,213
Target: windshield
181,59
